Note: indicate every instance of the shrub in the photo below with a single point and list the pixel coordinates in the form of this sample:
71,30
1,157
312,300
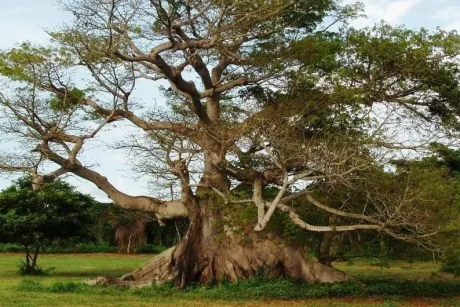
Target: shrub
150,249
11,248
82,248
451,264
24,269
64,287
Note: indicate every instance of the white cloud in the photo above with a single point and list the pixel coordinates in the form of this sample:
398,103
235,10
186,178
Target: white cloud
22,20
396,10
453,26
448,15
19,32
392,11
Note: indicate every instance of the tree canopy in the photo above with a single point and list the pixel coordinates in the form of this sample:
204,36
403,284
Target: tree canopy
55,214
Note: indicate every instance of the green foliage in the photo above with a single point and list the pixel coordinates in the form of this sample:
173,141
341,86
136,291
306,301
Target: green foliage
446,163
66,100
35,219
259,288
359,67
451,263
18,63
413,57
150,249
25,269
82,248
63,287
11,248
53,213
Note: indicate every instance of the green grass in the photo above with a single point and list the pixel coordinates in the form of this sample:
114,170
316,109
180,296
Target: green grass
63,286
398,269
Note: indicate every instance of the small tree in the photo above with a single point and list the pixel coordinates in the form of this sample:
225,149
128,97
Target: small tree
55,214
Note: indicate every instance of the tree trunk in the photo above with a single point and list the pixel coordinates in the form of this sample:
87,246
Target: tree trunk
212,252
325,243
324,249
27,259
34,260
31,266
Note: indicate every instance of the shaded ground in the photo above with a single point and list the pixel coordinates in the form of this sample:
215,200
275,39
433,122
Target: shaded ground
373,268
83,266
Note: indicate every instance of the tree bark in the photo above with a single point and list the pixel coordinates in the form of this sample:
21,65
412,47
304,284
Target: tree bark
212,252
27,259
325,243
34,266
324,249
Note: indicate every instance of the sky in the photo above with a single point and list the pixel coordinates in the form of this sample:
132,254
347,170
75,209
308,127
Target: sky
27,20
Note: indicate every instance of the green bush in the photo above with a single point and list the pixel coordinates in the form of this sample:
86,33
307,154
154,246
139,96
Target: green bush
451,264
150,249
64,287
24,269
11,248
83,249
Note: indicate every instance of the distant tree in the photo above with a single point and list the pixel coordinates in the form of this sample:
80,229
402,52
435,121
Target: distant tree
130,229
420,193
133,229
130,237
447,161
55,214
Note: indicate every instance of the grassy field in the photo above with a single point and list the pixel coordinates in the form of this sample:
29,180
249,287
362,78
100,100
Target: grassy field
76,268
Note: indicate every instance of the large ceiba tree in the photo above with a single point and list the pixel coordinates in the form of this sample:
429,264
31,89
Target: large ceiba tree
270,105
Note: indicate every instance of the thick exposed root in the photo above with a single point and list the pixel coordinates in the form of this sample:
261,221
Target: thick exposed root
158,270
272,257
231,261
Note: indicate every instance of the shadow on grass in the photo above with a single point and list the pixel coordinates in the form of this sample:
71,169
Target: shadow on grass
92,273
